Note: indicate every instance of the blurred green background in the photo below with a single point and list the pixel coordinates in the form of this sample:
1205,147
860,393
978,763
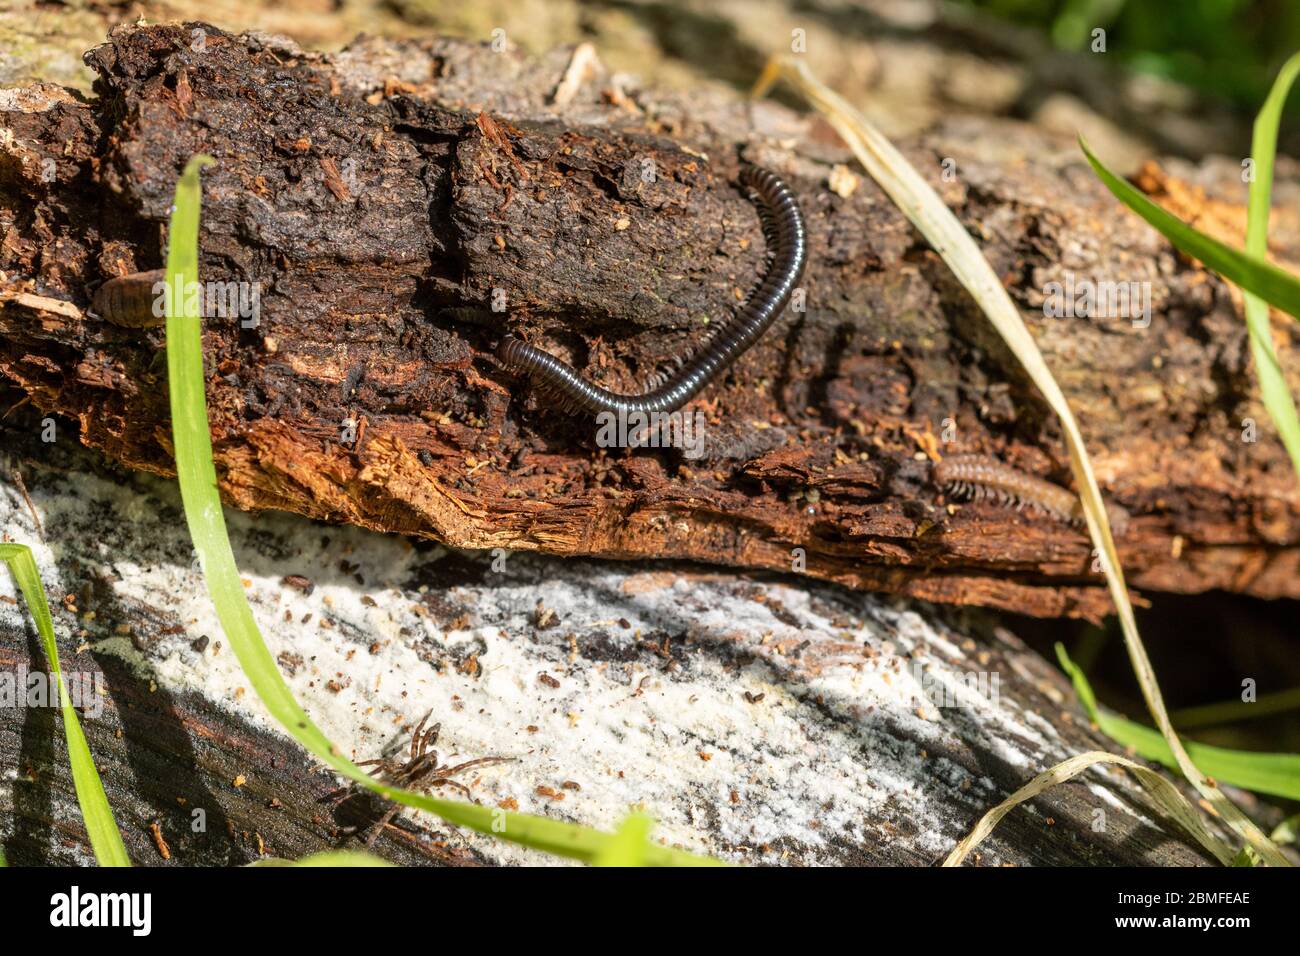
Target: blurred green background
1178,77
1227,48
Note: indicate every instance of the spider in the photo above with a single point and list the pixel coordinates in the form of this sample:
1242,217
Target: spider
421,773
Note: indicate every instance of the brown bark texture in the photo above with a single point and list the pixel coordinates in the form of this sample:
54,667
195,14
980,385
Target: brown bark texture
401,205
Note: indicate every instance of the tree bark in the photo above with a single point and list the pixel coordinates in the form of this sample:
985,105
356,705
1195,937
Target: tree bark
386,198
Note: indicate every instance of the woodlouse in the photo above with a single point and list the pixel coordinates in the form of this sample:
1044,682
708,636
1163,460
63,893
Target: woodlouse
129,300
783,225
981,478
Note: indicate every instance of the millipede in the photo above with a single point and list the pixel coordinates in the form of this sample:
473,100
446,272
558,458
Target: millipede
787,240
981,478
129,300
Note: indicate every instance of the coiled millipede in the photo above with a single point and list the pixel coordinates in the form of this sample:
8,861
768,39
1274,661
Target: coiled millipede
787,240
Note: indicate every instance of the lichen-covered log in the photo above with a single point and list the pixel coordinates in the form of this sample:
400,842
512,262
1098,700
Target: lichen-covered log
764,721
401,205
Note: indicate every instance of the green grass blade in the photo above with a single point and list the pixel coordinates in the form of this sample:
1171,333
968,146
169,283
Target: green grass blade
1288,831
198,480
341,858
105,839
1231,711
1263,148
627,846
1252,273
1275,774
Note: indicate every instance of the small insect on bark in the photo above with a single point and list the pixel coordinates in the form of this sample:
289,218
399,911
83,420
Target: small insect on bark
980,478
129,300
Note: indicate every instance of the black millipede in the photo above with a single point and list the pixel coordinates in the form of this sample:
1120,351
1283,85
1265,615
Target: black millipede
980,478
129,300
787,241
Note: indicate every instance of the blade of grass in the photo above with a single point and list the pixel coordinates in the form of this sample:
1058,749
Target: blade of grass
1272,773
1160,789
1250,272
198,481
1074,24
341,858
105,839
1288,831
627,847
1231,711
923,207
1263,148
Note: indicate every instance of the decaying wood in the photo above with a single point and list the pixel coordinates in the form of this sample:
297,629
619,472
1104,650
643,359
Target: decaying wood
763,719
220,791
403,204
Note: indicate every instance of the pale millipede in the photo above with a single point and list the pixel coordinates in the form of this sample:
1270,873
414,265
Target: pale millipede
129,300
787,241
980,478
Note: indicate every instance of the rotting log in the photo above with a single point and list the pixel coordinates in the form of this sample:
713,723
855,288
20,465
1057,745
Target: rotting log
760,718
387,197
189,784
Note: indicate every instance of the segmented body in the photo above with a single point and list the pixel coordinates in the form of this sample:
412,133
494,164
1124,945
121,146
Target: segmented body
788,244
129,300
980,478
